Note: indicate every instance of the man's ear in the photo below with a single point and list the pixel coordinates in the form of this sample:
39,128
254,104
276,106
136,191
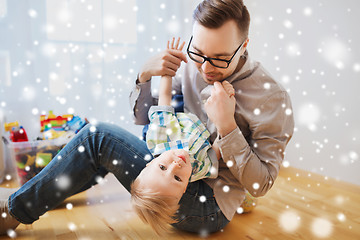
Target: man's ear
245,44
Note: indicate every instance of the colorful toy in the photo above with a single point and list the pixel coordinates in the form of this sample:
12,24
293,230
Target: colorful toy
76,124
52,134
43,159
65,122
9,126
17,133
52,121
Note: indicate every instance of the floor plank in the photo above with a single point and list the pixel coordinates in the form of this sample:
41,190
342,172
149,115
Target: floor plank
301,205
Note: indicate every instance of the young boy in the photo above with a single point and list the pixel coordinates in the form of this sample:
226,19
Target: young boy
183,154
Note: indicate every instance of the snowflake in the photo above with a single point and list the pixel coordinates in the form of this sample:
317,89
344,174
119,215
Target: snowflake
341,217
286,164
229,163
72,227
69,206
226,188
81,148
147,157
240,210
307,11
256,186
32,13
63,182
92,129
257,111
11,233
289,221
321,227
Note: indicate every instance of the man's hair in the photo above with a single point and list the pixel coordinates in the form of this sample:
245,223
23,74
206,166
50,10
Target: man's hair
214,13
153,208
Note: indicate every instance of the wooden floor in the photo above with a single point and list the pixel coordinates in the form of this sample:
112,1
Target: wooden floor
300,206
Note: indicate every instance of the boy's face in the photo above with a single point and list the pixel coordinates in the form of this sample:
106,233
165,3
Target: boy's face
167,174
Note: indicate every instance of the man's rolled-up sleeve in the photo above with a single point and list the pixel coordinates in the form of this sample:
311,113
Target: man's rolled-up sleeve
140,102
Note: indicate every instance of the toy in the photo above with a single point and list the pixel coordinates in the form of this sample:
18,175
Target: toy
76,124
65,122
17,134
43,159
9,126
52,121
52,134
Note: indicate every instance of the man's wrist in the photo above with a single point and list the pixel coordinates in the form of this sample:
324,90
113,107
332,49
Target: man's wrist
227,128
143,77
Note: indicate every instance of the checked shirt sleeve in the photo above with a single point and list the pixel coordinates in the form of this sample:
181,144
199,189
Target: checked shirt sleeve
164,131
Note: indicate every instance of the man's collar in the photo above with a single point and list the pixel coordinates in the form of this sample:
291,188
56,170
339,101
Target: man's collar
247,67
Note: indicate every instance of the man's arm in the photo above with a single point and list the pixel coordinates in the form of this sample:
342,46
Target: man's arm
230,91
165,63
256,166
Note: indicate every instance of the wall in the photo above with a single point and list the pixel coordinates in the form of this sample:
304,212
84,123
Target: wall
312,48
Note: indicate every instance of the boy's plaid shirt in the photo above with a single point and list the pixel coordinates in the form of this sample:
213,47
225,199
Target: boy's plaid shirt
169,130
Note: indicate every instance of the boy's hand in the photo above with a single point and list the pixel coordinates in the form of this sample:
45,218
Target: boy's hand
176,46
228,88
166,80
164,63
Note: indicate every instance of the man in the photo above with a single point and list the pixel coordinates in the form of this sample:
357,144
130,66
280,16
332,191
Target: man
252,129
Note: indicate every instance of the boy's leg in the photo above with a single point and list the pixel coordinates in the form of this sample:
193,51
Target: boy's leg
94,147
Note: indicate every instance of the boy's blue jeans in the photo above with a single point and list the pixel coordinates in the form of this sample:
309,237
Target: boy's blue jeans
93,152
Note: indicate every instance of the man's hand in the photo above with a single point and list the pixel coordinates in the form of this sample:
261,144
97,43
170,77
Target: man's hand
216,148
220,108
164,63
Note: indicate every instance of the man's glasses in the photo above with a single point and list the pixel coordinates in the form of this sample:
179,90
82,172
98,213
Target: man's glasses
216,62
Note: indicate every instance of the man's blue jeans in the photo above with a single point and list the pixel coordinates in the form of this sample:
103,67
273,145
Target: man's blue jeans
93,152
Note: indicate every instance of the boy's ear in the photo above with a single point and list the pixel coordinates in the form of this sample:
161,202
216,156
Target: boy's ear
186,187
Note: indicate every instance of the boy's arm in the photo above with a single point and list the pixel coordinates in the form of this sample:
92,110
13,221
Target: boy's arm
165,91
166,81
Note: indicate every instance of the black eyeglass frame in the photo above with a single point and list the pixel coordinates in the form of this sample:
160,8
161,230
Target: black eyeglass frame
210,59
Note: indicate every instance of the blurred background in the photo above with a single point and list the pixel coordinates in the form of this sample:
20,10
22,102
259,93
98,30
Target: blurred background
82,57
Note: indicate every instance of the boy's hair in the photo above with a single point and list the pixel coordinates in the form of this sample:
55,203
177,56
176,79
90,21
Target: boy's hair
153,208
214,13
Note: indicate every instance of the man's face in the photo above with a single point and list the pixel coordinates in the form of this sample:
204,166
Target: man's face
168,173
217,43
